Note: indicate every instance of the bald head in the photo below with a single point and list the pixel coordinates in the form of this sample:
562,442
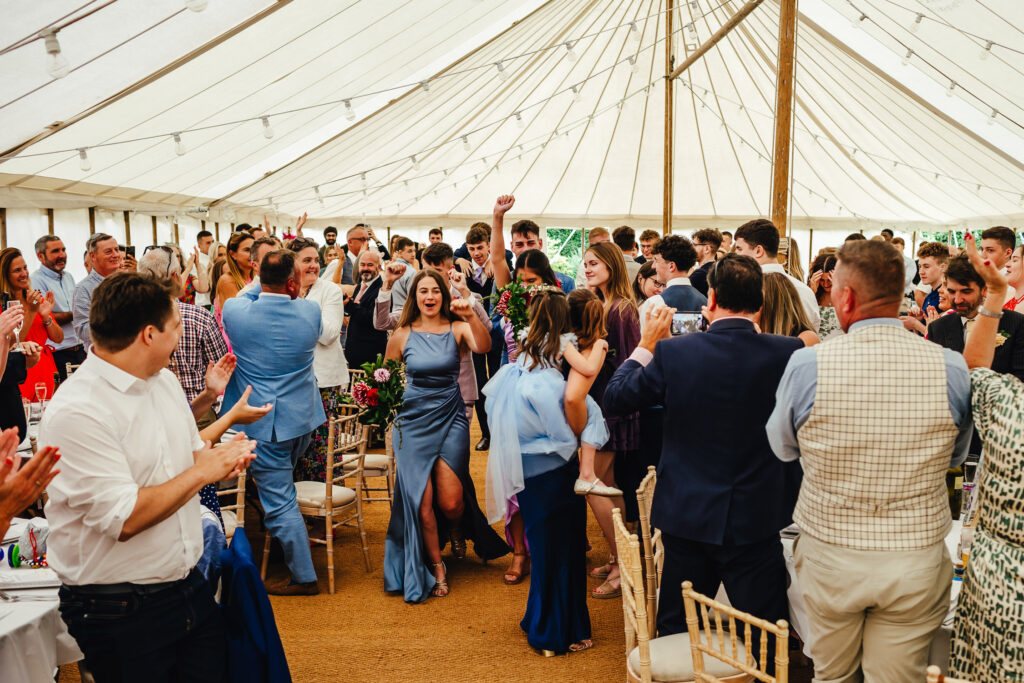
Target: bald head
368,264
161,265
867,282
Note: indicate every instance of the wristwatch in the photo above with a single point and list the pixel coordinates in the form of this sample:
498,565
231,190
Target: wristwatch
990,314
48,321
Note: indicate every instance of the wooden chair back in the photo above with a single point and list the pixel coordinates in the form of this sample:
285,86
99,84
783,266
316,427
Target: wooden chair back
237,508
353,377
651,542
934,675
70,368
712,639
634,603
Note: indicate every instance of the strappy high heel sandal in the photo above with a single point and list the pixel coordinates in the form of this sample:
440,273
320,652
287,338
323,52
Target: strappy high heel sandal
440,589
458,544
517,576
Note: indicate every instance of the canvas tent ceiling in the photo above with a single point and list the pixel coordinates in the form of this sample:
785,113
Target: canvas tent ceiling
875,142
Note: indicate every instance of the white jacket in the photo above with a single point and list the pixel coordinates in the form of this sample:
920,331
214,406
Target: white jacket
329,363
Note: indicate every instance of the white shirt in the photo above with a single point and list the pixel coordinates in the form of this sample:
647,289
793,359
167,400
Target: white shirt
116,434
807,297
329,363
656,301
203,298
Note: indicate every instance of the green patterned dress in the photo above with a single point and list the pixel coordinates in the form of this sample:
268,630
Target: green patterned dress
988,632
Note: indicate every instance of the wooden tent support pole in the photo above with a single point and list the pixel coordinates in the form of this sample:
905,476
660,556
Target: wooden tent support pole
3,228
49,221
733,22
784,115
92,220
216,230
666,221
810,245
174,231
154,229
127,228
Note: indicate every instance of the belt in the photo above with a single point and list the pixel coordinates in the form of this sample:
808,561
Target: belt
194,578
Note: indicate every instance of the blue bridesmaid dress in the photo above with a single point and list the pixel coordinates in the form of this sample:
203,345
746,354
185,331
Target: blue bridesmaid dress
430,425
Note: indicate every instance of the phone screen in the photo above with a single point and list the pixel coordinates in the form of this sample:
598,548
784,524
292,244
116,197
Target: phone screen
687,322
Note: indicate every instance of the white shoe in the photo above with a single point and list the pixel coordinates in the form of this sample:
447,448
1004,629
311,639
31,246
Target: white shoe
594,488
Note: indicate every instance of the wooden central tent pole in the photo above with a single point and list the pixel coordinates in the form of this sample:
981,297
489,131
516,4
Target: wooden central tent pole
666,221
785,76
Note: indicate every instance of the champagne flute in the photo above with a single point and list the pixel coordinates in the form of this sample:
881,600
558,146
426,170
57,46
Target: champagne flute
40,391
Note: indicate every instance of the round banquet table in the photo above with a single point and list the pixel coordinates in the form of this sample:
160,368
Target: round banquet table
33,638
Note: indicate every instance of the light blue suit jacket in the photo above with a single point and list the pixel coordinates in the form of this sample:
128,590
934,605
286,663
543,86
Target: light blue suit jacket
273,339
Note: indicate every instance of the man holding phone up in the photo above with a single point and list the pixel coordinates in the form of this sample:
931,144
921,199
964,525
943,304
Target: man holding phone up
718,389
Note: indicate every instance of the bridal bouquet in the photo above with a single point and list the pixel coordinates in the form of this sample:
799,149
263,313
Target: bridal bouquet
380,394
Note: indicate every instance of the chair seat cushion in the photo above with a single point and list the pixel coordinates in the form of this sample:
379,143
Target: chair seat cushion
230,522
672,660
314,494
373,461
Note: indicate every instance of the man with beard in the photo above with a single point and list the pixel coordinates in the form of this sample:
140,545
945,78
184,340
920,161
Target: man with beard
52,276
330,237
364,342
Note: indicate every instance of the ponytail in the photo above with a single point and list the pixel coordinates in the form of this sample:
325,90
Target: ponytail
587,316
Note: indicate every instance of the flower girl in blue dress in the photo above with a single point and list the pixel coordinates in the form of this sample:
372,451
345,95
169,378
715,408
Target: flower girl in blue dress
532,458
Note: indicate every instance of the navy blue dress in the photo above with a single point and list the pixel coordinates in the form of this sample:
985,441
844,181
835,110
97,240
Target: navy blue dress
431,424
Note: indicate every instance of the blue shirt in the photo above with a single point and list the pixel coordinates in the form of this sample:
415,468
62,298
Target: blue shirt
63,287
794,398
80,303
931,301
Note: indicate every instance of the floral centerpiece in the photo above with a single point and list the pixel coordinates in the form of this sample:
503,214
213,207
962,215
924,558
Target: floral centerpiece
513,304
380,395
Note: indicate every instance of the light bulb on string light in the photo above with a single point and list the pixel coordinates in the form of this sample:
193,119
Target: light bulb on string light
362,180
196,5
425,87
906,58
268,132
350,113
915,27
519,120
83,160
951,88
987,50
56,63
576,97
634,31
692,29
179,146
415,162
502,74
465,144
569,53
858,20
319,197
633,66
992,117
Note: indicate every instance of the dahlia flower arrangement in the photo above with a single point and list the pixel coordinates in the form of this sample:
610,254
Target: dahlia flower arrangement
380,394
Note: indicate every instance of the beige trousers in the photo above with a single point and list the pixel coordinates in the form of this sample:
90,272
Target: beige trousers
872,614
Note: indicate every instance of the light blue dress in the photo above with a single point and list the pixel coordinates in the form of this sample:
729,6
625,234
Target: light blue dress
430,425
529,432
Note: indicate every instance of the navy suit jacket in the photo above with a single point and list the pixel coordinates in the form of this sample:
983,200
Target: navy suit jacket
273,338
254,646
718,480
683,298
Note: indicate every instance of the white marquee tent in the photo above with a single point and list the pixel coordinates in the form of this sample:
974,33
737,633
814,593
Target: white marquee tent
908,114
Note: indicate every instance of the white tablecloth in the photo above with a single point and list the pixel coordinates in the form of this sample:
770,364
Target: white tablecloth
798,610
33,638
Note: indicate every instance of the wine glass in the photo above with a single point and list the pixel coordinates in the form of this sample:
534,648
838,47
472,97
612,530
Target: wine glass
40,391
17,330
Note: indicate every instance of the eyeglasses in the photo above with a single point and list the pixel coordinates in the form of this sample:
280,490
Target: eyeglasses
358,239
170,255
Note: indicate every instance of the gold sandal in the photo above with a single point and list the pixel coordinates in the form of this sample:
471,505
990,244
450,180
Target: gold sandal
440,589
